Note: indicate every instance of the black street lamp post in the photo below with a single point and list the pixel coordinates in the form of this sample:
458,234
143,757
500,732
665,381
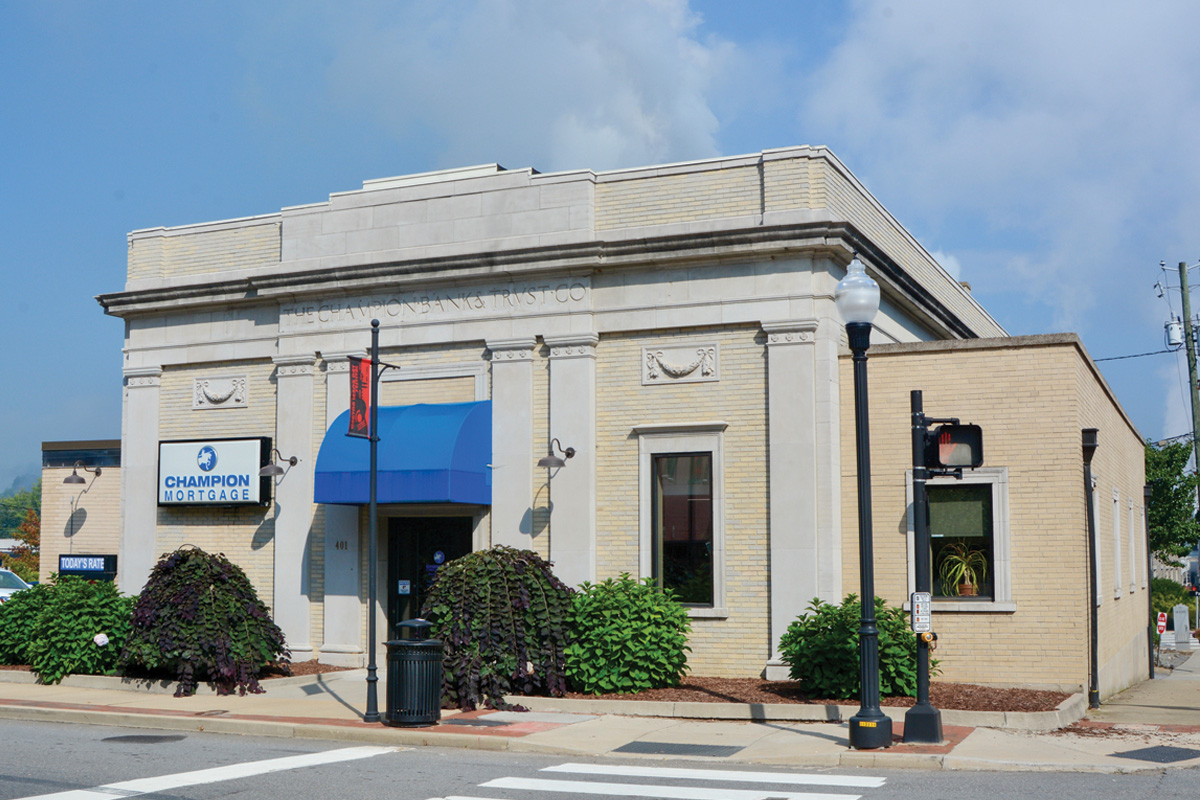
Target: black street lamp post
372,713
857,298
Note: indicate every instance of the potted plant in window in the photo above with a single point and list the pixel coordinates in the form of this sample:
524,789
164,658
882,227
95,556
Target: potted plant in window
962,568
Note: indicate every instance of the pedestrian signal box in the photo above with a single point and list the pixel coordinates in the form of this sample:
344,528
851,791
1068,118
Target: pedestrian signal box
955,447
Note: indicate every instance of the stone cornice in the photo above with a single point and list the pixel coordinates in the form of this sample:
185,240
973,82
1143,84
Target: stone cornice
664,252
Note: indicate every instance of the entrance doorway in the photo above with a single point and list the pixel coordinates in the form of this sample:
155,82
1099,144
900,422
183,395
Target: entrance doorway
417,547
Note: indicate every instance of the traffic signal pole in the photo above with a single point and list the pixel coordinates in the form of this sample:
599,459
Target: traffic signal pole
922,722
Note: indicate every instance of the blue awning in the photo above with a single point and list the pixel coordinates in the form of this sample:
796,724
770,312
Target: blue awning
427,454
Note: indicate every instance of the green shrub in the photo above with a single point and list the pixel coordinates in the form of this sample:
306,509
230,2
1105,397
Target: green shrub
18,622
502,618
821,647
628,636
1166,594
199,618
56,628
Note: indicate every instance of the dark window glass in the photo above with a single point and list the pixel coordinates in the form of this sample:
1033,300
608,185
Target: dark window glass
960,526
683,526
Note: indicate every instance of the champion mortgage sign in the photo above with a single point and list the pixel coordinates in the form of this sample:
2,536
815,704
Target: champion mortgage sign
212,472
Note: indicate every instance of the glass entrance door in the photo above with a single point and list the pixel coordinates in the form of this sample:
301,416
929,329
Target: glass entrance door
417,548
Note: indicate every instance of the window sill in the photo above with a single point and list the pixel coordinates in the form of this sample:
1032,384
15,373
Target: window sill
707,613
980,606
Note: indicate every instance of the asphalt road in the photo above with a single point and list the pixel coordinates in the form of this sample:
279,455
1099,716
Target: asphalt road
83,762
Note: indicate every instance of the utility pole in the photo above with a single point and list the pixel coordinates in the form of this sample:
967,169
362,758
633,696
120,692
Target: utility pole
1189,339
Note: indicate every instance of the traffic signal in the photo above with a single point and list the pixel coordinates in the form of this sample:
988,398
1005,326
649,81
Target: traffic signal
954,447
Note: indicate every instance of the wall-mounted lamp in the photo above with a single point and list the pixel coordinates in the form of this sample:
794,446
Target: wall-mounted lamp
75,479
273,470
552,461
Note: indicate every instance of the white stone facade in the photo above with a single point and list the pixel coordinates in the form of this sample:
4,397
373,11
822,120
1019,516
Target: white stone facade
596,308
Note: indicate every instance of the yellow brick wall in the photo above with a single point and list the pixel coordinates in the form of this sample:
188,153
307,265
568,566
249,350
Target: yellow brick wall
1119,464
1029,403
204,251
246,535
77,521
739,645
687,197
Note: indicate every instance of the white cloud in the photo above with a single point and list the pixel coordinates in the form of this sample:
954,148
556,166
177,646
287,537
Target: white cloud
949,263
1062,129
546,84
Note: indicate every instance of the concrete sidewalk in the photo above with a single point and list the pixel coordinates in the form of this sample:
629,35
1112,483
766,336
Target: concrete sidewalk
1149,727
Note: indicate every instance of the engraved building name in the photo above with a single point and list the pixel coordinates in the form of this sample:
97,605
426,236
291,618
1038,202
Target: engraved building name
434,305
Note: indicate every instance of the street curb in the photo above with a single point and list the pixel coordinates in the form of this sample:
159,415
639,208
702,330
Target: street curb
1070,710
412,737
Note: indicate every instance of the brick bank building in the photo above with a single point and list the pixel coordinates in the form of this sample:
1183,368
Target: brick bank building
673,326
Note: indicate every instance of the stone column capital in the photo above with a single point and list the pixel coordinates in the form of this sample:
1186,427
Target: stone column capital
577,345
520,349
142,377
791,332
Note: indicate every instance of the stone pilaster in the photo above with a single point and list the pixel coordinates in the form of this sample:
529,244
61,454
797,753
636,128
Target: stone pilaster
139,478
796,552
573,487
294,500
343,609
512,441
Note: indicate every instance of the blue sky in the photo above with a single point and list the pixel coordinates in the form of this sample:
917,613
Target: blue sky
1043,152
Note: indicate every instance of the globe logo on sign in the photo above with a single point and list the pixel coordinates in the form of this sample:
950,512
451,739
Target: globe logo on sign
206,458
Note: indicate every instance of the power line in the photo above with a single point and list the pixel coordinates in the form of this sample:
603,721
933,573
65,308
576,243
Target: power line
1135,355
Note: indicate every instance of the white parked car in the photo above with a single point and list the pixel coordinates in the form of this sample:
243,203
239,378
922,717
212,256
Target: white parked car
10,583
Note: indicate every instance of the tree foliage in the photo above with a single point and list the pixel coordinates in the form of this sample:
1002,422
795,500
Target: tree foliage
502,617
199,618
1174,528
25,557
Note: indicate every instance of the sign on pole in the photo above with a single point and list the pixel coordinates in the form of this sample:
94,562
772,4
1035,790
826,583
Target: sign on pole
922,606
360,397
1162,622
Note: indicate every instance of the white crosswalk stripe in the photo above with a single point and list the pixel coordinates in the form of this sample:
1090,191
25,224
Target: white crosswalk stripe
745,776
783,783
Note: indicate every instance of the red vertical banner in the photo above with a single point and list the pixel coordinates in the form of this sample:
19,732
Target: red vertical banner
360,397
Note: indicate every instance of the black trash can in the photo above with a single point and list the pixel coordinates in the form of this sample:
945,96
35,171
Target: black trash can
414,678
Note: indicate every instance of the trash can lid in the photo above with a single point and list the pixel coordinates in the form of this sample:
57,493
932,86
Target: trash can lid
420,627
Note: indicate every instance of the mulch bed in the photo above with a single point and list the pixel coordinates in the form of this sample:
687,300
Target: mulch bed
948,696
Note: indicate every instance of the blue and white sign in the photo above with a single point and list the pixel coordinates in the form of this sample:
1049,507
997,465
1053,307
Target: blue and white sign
213,472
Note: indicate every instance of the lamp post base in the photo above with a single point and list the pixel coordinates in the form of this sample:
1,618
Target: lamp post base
870,733
922,725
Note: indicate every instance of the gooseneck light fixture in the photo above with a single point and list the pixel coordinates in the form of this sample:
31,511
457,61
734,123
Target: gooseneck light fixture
552,461
857,298
273,470
75,479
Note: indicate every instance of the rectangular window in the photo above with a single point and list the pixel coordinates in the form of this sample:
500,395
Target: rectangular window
681,512
969,554
961,533
683,526
1116,523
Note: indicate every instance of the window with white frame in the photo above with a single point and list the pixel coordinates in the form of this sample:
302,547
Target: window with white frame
1133,571
681,510
1116,527
969,541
